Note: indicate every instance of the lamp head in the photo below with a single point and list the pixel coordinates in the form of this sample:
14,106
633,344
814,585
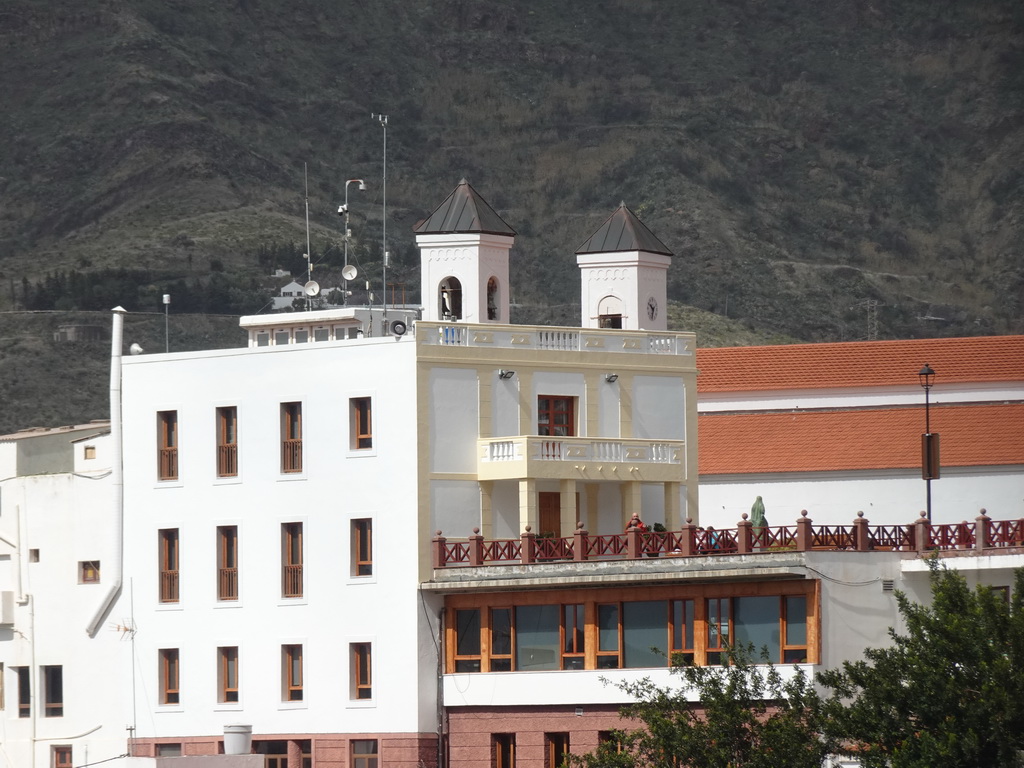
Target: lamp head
927,376
611,377
505,374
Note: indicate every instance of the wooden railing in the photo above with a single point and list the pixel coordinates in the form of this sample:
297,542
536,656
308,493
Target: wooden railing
983,535
168,463
227,460
291,579
227,584
291,455
168,586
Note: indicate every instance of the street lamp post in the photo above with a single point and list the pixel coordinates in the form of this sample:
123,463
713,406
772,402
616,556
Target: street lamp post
348,232
929,441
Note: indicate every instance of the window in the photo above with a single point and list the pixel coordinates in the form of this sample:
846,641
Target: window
61,757
556,416
24,691
492,299
718,629
362,425
503,750
362,547
291,437
3,693
169,676
291,664
168,565
556,747
33,555
53,691
362,683
227,672
170,749
89,452
291,560
227,442
501,640
572,636
227,562
167,445
467,633
89,572
698,628
364,753
450,299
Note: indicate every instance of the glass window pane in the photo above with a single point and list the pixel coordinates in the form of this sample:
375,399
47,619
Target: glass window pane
537,637
467,629
756,620
501,631
608,627
796,620
645,627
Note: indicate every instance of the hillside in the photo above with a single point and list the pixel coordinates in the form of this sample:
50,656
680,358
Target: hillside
812,165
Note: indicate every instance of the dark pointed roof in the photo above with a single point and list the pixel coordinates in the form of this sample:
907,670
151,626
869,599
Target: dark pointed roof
463,211
623,231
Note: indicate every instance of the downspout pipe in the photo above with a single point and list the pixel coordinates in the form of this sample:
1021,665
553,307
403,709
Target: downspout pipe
115,526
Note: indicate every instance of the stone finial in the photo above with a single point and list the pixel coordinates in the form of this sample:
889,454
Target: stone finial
803,513
744,515
579,526
528,529
689,521
924,514
860,513
437,532
476,530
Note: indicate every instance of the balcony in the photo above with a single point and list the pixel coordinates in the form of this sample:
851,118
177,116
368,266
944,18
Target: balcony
515,337
982,537
581,458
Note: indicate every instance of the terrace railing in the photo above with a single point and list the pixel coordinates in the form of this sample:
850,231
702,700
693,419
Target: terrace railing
983,535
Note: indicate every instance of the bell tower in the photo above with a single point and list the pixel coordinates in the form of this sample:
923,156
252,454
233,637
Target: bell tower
624,275
464,249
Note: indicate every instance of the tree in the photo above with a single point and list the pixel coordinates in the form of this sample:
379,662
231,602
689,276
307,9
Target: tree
744,715
949,692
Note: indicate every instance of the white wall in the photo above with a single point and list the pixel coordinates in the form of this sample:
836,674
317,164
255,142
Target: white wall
892,497
336,485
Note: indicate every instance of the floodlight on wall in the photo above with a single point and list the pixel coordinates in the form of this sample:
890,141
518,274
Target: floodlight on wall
611,378
505,374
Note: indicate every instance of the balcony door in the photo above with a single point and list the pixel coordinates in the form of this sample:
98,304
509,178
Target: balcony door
549,513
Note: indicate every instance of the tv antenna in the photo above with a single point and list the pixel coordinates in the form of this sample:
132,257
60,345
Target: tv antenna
383,119
310,289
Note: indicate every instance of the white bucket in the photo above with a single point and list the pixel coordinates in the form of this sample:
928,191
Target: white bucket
237,739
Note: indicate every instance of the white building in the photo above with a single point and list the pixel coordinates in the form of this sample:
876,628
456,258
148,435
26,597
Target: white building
61,674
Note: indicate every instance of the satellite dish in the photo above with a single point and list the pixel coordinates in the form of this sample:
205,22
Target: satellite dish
312,288
349,272
398,328
135,349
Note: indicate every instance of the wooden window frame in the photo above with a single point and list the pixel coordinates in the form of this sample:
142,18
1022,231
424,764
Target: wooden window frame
554,406
362,547
228,670
556,747
292,661
572,635
170,558
692,602
720,630
227,441
227,562
292,553
361,409
503,750
167,445
361,656
61,756
53,690
361,759
291,437
170,676
88,571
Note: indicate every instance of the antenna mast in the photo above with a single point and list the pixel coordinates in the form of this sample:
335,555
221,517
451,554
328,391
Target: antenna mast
309,255
383,119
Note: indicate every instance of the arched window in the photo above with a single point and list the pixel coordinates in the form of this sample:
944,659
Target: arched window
609,312
492,299
450,299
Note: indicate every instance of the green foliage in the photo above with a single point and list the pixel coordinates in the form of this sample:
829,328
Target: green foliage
949,691
721,717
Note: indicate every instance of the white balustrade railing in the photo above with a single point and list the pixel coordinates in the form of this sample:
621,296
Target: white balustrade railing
556,339
581,449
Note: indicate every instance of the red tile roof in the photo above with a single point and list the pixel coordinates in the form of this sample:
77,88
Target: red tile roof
820,441
860,364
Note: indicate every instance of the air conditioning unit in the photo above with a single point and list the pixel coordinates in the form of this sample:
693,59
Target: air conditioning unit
6,608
